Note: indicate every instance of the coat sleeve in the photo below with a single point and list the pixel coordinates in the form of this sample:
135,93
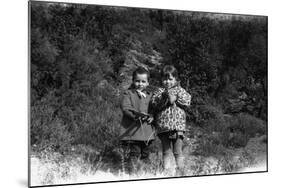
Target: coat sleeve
126,105
183,99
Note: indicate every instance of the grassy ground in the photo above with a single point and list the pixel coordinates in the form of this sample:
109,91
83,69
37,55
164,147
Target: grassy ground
84,164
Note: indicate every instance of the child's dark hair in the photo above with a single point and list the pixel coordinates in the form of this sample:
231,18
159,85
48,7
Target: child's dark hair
169,70
141,70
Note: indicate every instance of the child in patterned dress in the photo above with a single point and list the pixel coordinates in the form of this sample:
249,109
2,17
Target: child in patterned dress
169,104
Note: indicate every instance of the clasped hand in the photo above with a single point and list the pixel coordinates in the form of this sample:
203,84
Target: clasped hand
171,98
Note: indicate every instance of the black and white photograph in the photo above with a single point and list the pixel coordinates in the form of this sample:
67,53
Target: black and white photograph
122,93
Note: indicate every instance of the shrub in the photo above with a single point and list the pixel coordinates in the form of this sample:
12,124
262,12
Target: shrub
75,118
241,128
48,132
203,115
212,130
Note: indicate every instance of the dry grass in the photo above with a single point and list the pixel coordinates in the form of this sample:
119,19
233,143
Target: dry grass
49,168
54,168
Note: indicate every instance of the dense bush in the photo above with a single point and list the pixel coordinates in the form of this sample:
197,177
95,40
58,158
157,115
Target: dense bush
242,127
82,55
211,131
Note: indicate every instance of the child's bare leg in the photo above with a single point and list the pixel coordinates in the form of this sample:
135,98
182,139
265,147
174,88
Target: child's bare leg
167,151
179,157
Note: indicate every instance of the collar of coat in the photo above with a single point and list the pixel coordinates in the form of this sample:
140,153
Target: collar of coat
148,90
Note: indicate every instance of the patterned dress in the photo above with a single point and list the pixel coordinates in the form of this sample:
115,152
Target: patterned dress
170,117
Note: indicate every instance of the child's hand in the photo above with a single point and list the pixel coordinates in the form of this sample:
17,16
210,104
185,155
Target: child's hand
172,98
143,118
150,119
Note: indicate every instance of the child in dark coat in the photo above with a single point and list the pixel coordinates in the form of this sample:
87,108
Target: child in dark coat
136,130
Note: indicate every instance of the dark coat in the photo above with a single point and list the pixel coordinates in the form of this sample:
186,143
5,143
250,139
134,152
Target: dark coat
131,127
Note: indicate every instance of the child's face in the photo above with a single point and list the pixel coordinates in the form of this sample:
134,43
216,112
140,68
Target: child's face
169,81
140,81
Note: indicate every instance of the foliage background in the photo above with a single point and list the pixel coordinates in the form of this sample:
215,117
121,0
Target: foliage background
82,57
